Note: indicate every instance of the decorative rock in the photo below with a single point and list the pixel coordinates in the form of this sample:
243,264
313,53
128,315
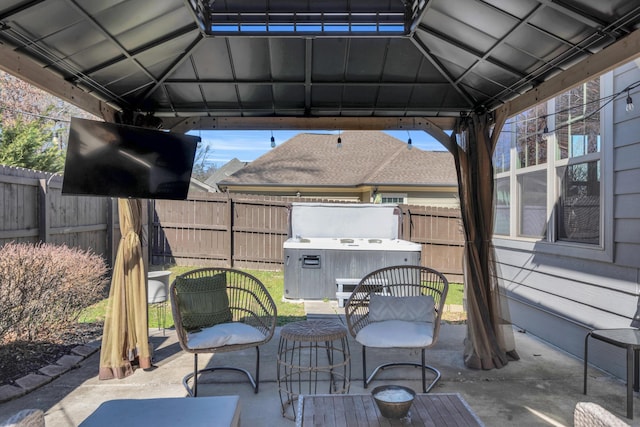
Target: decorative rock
33,381
65,363
69,360
8,392
83,350
54,370
95,344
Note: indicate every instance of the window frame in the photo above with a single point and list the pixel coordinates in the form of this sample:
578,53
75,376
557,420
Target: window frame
402,196
550,244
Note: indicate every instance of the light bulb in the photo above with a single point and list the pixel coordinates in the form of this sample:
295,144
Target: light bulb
409,144
545,130
629,106
273,141
339,145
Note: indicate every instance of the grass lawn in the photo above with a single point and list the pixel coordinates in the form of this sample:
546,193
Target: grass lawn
273,280
455,294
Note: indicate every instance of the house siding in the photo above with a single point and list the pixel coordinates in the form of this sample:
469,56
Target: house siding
560,297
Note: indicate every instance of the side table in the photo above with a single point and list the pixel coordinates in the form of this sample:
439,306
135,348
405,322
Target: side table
309,353
628,338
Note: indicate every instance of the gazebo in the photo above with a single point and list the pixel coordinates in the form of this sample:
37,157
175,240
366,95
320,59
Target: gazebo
455,69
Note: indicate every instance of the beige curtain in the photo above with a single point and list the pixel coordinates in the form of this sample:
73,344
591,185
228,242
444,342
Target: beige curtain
125,339
489,343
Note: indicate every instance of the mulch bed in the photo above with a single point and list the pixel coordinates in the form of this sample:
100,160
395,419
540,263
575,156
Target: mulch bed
20,358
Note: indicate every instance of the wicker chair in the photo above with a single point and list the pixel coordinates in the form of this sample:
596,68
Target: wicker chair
397,307
219,310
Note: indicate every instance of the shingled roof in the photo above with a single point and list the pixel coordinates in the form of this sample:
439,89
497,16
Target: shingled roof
224,171
313,159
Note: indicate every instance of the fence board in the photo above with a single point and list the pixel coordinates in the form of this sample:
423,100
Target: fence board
209,229
248,231
190,232
34,210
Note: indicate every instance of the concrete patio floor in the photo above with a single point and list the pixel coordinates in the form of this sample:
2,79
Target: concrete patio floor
541,389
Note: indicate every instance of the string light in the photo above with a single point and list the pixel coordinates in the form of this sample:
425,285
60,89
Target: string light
339,145
409,142
604,101
273,140
545,130
40,116
56,139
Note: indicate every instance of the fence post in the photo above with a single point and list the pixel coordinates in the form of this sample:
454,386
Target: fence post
44,217
231,249
406,224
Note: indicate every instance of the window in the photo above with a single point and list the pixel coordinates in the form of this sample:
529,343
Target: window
579,203
555,186
503,206
533,204
531,139
393,198
577,121
502,152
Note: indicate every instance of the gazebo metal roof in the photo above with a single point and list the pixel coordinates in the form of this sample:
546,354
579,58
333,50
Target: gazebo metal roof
308,64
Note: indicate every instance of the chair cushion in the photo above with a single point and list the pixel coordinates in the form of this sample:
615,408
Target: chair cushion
203,301
224,334
396,333
411,309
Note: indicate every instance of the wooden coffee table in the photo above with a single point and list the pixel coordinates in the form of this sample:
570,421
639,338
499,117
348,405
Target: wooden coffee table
348,410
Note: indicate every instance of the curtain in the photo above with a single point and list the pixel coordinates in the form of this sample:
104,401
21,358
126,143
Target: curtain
489,342
125,338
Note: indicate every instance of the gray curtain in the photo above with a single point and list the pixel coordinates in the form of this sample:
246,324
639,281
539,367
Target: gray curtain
489,343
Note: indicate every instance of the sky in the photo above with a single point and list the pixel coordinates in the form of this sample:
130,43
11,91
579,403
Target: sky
247,146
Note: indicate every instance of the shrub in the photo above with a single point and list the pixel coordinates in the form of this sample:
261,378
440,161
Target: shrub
44,287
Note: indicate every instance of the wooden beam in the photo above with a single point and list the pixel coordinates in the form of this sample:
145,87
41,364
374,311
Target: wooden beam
32,72
434,126
430,127
619,53
185,124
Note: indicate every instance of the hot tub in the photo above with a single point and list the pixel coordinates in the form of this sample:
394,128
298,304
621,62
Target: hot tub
341,241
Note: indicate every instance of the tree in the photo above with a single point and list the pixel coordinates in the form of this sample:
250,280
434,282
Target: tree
34,125
201,168
30,145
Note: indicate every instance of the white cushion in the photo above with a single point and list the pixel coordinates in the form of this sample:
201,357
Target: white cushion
396,333
224,334
411,309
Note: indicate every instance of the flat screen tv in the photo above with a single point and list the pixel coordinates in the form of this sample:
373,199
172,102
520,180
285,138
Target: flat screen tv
109,159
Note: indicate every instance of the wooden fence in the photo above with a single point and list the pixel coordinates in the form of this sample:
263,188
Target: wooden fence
206,230
249,232
34,210
215,230
439,231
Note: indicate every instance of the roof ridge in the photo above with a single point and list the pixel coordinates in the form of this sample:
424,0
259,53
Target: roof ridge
383,165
